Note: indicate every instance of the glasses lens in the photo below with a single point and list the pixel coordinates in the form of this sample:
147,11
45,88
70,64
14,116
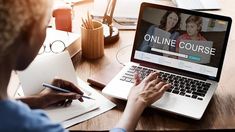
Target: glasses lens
57,46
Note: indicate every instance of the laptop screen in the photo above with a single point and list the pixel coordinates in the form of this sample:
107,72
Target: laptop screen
181,39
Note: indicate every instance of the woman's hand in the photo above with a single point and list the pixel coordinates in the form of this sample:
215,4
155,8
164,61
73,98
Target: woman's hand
144,93
147,91
49,97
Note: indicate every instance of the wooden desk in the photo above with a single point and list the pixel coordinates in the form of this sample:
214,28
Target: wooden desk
220,114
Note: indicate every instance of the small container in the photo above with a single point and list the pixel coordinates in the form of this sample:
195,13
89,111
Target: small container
92,41
63,19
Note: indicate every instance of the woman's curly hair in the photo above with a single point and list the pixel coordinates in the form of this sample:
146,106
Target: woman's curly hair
16,16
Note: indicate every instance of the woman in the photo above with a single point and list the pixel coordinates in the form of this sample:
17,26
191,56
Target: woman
23,28
170,22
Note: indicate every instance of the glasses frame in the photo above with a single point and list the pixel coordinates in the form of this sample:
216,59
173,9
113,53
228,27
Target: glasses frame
50,45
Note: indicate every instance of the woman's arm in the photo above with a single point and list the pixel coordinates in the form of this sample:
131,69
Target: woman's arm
143,94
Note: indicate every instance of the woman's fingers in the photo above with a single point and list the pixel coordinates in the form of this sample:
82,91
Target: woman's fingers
160,85
153,83
165,87
160,91
64,96
137,78
66,85
68,102
151,76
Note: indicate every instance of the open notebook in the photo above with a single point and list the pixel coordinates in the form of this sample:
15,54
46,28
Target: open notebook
44,69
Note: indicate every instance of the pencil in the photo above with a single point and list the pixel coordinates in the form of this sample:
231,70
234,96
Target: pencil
89,19
62,90
84,23
87,23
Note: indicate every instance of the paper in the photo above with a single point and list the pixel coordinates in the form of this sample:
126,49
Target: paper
104,105
77,108
44,69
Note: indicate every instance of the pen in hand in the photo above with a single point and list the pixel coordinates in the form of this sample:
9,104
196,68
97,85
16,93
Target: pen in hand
62,90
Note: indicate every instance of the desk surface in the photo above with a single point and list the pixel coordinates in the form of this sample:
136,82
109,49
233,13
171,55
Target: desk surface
220,114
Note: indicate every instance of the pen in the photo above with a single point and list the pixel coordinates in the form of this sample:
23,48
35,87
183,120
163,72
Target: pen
62,90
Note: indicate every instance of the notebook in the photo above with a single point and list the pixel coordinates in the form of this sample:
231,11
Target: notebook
44,69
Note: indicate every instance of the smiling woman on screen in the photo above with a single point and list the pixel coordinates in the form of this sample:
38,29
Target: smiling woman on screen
170,22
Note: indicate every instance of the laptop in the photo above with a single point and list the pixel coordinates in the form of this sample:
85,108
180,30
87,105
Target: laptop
198,4
193,84
198,56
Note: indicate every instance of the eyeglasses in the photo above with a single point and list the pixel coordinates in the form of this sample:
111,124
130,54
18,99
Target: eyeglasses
56,47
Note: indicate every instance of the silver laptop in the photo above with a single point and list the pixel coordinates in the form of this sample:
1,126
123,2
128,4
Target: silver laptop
193,84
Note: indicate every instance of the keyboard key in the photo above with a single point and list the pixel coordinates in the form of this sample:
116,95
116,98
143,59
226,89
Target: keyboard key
123,78
193,86
129,75
199,98
199,87
187,87
182,93
182,90
201,91
193,89
175,91
176,88
187,95
169,90
199,94
205,89
131,72
132,80
194,96
128,79
188,91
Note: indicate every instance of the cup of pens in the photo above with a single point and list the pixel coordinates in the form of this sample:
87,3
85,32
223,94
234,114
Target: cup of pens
92,39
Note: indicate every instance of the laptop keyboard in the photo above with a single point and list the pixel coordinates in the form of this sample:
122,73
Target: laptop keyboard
181,85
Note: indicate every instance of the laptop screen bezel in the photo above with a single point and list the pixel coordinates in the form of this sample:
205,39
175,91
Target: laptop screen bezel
190,12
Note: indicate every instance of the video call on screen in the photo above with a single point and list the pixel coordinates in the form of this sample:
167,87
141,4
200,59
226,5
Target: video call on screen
180,40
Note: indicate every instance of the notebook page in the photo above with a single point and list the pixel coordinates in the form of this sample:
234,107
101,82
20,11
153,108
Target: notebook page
77,108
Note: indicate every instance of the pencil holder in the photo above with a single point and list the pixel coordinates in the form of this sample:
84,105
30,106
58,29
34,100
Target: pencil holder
92,41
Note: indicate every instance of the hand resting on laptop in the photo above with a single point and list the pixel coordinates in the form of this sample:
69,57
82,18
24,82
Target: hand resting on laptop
144,93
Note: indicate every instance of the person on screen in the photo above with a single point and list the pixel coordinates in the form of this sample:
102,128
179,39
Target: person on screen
170,22
193,29
23,29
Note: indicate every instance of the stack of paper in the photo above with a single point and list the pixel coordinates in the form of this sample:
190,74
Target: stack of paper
77,108
45,69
